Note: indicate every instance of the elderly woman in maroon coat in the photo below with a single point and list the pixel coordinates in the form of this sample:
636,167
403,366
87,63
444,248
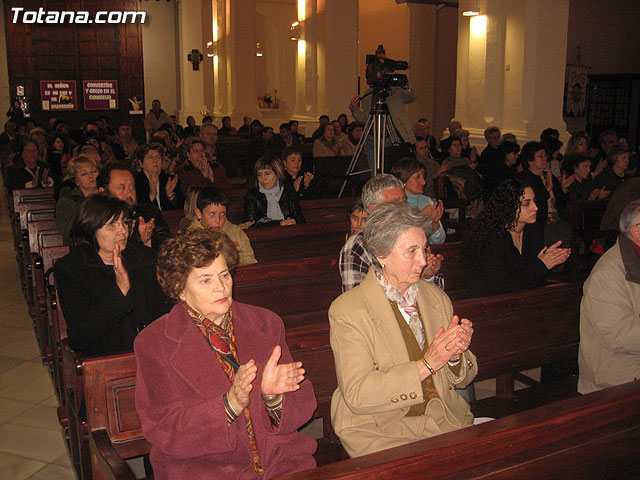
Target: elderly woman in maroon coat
218,393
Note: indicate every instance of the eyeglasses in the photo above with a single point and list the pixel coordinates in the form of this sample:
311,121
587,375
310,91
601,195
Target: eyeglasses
113,226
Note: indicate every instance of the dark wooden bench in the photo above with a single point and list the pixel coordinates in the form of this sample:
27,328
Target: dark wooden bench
56,333
30,212
42,234
511,334
592,436
584,219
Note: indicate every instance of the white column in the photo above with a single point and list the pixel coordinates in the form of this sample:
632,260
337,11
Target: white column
190,37
511,66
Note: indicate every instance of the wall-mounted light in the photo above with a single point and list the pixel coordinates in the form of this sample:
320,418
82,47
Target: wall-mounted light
212,49
295,31
472,10
258,49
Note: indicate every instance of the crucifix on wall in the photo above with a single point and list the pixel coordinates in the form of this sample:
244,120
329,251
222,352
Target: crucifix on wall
195,57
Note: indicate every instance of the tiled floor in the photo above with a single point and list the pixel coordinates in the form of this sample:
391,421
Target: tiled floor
31,441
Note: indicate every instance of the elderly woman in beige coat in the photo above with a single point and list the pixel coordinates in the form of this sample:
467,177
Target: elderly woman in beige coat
398,348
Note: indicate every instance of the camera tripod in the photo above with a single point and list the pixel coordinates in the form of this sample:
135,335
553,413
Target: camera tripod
380,122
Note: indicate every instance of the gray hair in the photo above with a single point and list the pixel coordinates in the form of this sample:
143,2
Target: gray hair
629,217
387,222
373,190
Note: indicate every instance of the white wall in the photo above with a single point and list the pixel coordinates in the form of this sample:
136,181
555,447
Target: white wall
159,52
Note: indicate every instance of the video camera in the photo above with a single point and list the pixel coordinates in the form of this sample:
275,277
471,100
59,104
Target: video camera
380,71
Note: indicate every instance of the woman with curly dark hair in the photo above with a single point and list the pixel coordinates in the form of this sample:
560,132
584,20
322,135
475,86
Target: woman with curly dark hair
502,253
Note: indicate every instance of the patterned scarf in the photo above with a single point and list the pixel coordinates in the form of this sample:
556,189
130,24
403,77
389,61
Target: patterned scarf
222,341
408,304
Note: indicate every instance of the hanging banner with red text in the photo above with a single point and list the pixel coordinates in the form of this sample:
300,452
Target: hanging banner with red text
57,95
100,94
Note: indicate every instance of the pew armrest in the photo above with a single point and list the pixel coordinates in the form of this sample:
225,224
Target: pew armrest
112,465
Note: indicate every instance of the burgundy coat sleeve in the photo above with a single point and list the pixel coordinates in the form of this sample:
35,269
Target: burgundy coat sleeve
298,406
174,420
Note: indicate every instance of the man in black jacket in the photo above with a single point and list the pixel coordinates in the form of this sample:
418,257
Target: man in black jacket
152,229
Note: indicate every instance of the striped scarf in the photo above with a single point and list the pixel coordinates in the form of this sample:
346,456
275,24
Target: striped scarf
222,341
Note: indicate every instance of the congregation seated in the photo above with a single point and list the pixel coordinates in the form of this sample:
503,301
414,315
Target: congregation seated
550,194
284,139
317,133
58,154
28,171
411,173
151,229
83,172
504,169
271,201
503,253
491,154
357,217
152,184
191,130
107,284
461,171
398,346
217,391
354,261
126,142
432,169
211,213
353,136
226,129
468,151
579,165
244,128
326,145
302,182
217,156
196,170
614,174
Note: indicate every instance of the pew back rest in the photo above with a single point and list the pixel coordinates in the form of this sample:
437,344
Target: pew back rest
39,226
109,386
24,195
580,437
45,206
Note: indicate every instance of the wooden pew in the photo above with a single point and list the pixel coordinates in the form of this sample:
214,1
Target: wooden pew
42,234
511,334
592,436
56,333
584,219
533,444
30,212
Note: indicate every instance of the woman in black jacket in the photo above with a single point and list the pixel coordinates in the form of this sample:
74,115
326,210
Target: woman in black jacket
152,184
107,286
271,201
502,253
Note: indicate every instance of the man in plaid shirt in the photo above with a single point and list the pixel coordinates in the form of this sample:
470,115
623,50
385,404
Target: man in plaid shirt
354,259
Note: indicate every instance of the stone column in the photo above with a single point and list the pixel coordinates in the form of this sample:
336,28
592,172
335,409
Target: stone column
511,67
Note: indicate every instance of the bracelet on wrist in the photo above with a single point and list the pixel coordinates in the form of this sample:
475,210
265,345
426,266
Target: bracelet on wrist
433,372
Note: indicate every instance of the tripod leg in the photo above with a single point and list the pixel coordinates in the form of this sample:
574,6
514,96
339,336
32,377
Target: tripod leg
356,155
